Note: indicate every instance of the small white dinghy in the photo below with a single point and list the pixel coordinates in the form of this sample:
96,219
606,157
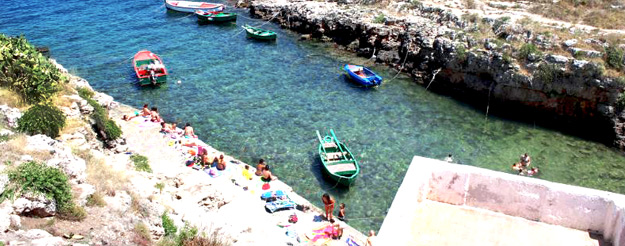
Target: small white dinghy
191,7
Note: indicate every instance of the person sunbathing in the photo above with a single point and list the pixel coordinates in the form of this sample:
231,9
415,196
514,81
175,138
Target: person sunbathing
155,116
333,231
174,129
146,111
246,173
267,175
221,163
532,171
526,160
127,118
165,128
204,159
260,167
188,131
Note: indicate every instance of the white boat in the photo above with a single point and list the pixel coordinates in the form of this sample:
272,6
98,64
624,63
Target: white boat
191,7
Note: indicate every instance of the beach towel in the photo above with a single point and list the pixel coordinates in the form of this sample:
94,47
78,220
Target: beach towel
272,194
279,205
321,235
214,172
350,242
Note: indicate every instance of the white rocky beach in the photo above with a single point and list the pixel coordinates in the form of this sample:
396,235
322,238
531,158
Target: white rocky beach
218,206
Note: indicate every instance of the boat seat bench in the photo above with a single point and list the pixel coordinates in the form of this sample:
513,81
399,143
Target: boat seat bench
336,168
329,145
334,155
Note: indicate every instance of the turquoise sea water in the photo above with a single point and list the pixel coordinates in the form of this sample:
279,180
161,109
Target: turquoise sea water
265,100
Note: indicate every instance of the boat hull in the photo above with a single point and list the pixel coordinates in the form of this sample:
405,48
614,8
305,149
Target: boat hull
343,170
191,9
216,18
266,35
370,79
141,64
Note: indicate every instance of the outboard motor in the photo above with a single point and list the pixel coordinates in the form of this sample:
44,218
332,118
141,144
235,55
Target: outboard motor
153,77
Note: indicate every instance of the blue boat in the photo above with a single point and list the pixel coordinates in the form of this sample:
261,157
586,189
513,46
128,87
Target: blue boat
362,75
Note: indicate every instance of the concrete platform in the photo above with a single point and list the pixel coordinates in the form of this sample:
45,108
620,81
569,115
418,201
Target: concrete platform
438,224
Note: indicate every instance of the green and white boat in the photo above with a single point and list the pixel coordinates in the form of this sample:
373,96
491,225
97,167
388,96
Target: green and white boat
214,17
260,34
338,161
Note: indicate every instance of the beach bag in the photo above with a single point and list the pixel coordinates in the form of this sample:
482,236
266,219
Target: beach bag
293,218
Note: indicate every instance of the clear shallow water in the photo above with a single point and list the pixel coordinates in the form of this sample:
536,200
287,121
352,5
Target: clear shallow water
265,100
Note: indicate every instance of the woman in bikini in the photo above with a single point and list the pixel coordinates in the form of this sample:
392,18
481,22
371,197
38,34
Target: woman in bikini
188,131
328,202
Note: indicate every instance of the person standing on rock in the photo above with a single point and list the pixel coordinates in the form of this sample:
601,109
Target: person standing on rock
328,202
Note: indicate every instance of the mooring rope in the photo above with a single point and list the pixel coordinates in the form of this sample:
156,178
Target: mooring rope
273,17
433,76
403,64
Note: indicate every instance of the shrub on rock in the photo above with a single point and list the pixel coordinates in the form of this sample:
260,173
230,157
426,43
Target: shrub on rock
168,225
141,163
42,119
614,57
37,178
26,71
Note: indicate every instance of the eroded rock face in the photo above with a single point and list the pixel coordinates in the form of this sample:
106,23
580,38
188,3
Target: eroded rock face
62,157
9,115
34,205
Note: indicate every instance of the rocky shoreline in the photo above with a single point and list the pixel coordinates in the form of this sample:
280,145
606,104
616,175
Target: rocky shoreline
440,50
218,207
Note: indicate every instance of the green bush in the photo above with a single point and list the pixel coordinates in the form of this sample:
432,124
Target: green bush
72,212
548,73
187,233
39,179
379,19
614,57
528,49
141,163
168,225
42,119
107,127
26,71
160,187
620,102
461,52
4,138
84,92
